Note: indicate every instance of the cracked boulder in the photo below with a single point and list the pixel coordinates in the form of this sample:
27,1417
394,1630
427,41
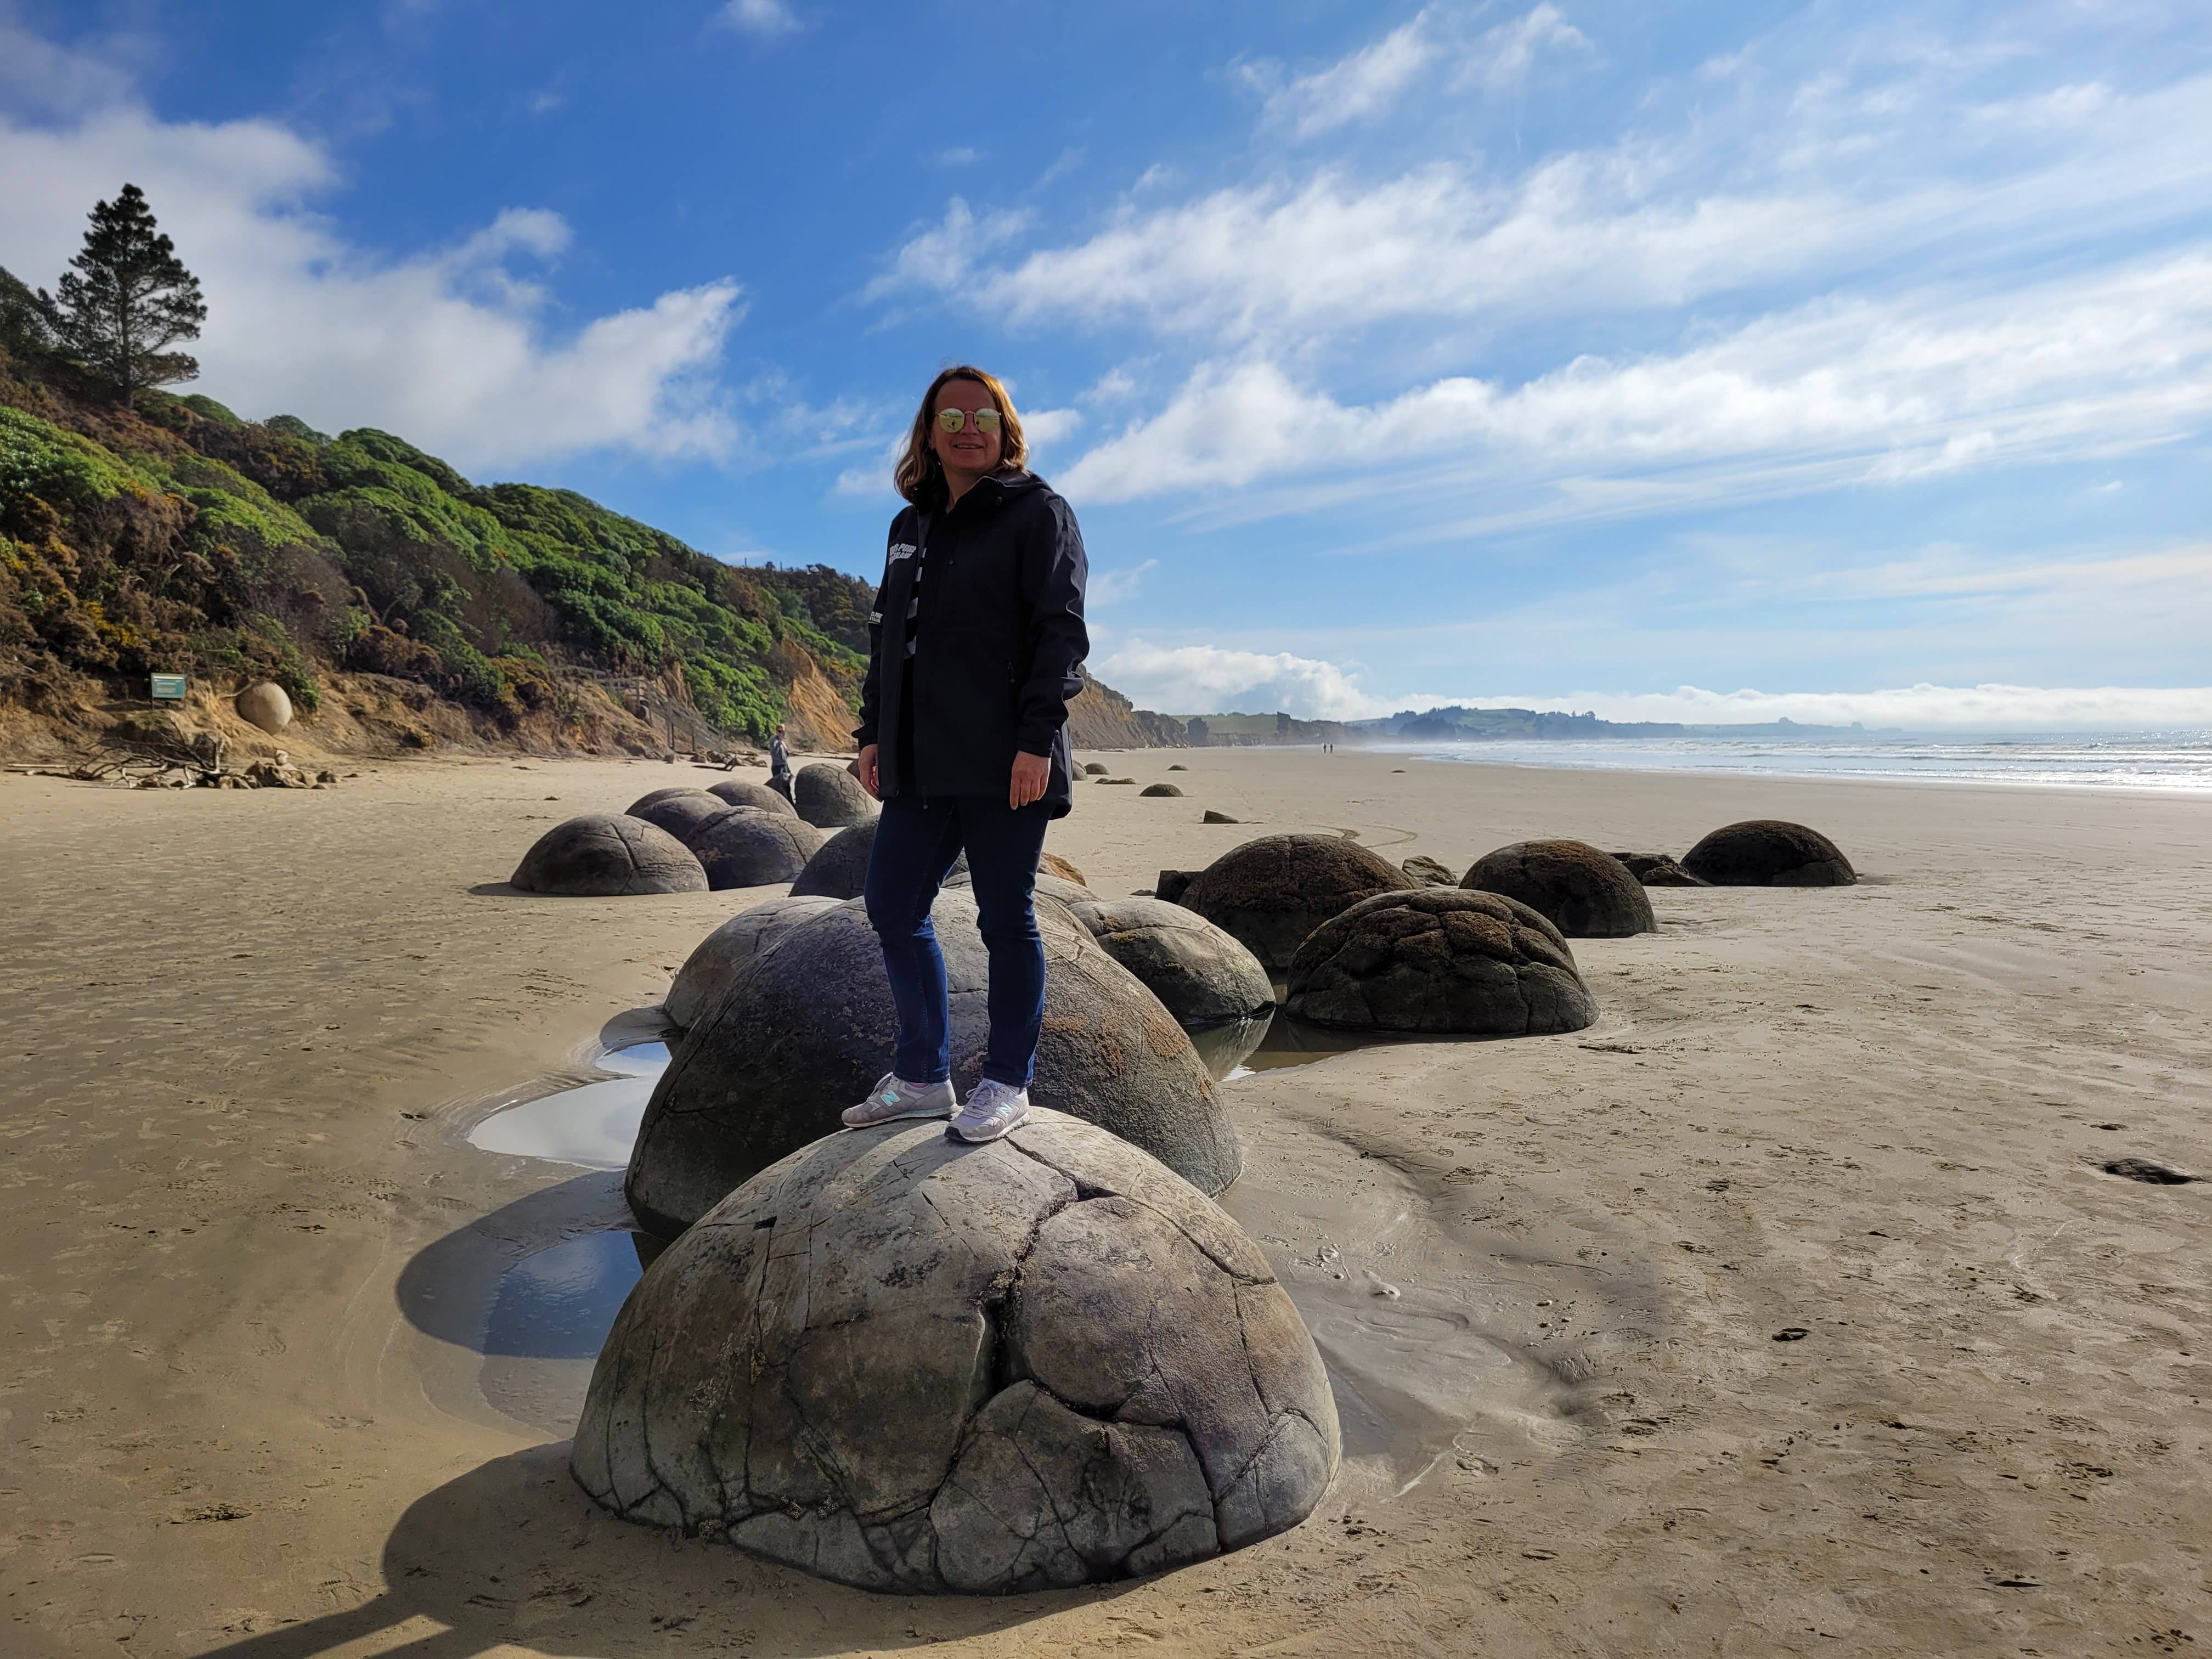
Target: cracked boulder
741,792
601,855
1440,959
840,869
914,1366
1586,893
745,846
830,797
1272,892
1769,852
805,1029
707,971
1201,975
681,812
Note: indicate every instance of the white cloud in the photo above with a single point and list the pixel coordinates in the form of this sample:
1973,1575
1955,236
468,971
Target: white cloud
960,156
768,19
1350,89
448,347
1046,428
1860,391
943,256
1373,81
1114,587
1209,680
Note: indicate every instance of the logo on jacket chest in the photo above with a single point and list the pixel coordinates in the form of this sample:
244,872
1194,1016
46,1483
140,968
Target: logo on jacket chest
902,550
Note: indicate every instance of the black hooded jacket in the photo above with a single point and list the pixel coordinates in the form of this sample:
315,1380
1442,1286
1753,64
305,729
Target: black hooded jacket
999,636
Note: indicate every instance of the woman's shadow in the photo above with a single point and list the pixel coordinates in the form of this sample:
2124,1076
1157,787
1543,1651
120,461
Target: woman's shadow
513,1552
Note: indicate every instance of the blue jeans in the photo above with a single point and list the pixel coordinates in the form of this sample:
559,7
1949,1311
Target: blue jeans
917,839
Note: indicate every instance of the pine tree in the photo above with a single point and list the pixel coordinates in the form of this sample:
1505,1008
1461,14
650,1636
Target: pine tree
27,322
127,299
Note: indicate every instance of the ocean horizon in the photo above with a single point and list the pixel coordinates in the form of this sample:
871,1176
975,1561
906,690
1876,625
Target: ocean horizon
2178,762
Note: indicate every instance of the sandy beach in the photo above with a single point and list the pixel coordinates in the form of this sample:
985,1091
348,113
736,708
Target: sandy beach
1787,1310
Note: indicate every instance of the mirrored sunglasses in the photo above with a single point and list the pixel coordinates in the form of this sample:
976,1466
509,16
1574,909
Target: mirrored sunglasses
952,420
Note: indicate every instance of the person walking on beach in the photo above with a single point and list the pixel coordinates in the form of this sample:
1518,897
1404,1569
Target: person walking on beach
778,765
973,649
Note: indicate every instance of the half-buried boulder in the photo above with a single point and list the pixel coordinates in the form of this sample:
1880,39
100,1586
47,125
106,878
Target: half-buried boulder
604,855
1095,769
1658,869
636,808
1769,852
738,792
805,1028
840,869
744,847
1201,975
1441,959
1429,872
1172,884
707,971
1586,893
1272,892
1052,865
913,1366
829,797
1159,789
681,812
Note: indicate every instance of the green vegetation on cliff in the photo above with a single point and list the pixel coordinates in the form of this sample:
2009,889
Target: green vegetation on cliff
179,538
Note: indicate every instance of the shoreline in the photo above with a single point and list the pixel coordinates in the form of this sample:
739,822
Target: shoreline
1870,1112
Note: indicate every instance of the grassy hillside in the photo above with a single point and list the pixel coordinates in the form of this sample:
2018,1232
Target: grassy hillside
181,538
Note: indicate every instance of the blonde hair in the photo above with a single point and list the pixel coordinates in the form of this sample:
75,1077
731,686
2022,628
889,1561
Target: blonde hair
920,476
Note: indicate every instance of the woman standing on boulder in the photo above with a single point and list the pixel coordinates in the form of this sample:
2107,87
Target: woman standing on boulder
972,655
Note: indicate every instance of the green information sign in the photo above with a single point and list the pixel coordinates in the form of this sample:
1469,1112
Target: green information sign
168,688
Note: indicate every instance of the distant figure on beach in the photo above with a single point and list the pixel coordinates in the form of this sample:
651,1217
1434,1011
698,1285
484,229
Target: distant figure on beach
778,765
972,654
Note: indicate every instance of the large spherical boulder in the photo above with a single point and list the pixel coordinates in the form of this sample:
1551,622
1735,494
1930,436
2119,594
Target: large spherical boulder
707,971
265,704
602,855
1200,973
1769,852
636,808
681,812
737,792
804,1029
1439,959
910,1364
1585,892
829,797
1272,892
744,847
840,869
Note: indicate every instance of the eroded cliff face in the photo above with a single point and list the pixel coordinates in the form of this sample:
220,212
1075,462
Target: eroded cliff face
1101,717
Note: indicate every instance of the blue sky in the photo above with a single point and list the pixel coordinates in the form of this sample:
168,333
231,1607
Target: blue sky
1675,360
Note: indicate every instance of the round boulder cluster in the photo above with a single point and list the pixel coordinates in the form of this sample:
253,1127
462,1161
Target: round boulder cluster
744,847
265,704
910,1364
681,812
604,855
737,792
1769,852
1201,975
805,1029
1272,892
1440,959
829,797
707,971
1586,893
840,869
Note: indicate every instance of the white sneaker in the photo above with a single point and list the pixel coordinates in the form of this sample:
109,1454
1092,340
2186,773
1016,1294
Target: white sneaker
892,1099
993,1108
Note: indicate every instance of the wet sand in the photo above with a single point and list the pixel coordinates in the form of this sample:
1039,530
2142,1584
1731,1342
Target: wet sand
262,1399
